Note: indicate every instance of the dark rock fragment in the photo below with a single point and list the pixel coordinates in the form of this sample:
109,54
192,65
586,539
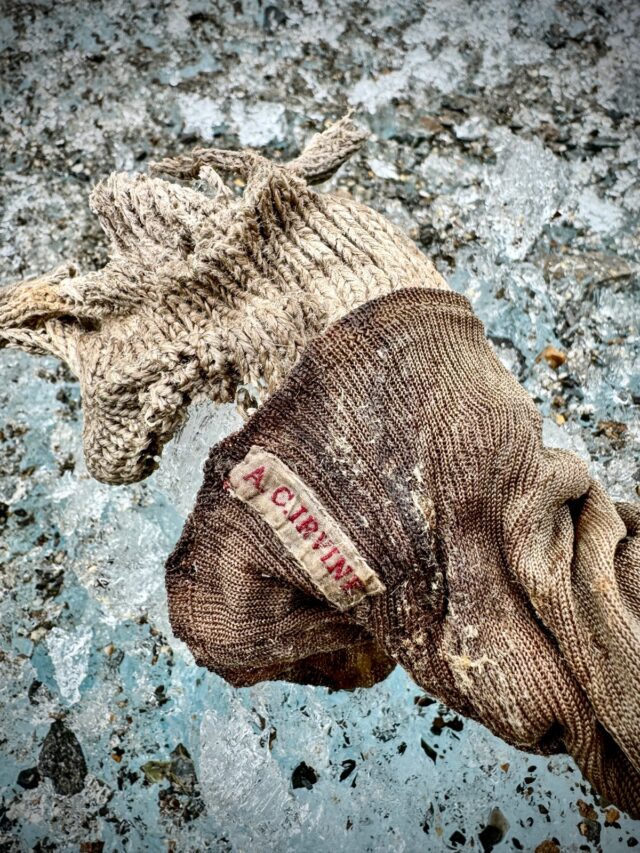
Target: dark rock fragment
551,845
304,776
29,778
590,829
62,760
183,772
273,19
348,766
439,723
429,750
181,800
33,690
495,830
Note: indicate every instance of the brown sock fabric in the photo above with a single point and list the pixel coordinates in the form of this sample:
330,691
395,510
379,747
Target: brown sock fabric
395,490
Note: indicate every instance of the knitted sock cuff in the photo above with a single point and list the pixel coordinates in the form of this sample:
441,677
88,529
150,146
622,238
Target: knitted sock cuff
203,294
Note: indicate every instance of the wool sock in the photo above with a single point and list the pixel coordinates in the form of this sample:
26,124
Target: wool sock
396,487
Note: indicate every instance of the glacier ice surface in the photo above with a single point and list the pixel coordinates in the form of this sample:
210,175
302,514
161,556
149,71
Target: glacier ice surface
503,142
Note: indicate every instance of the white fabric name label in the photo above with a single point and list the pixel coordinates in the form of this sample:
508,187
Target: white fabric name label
308,532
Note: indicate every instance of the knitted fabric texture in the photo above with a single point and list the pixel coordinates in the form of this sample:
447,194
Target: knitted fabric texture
505,581
206,291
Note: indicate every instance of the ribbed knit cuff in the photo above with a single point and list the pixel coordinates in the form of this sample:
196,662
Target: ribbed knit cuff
205,293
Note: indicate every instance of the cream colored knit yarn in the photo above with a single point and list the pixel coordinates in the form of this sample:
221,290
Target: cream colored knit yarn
206,292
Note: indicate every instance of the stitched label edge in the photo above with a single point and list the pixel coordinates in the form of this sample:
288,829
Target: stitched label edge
309,533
